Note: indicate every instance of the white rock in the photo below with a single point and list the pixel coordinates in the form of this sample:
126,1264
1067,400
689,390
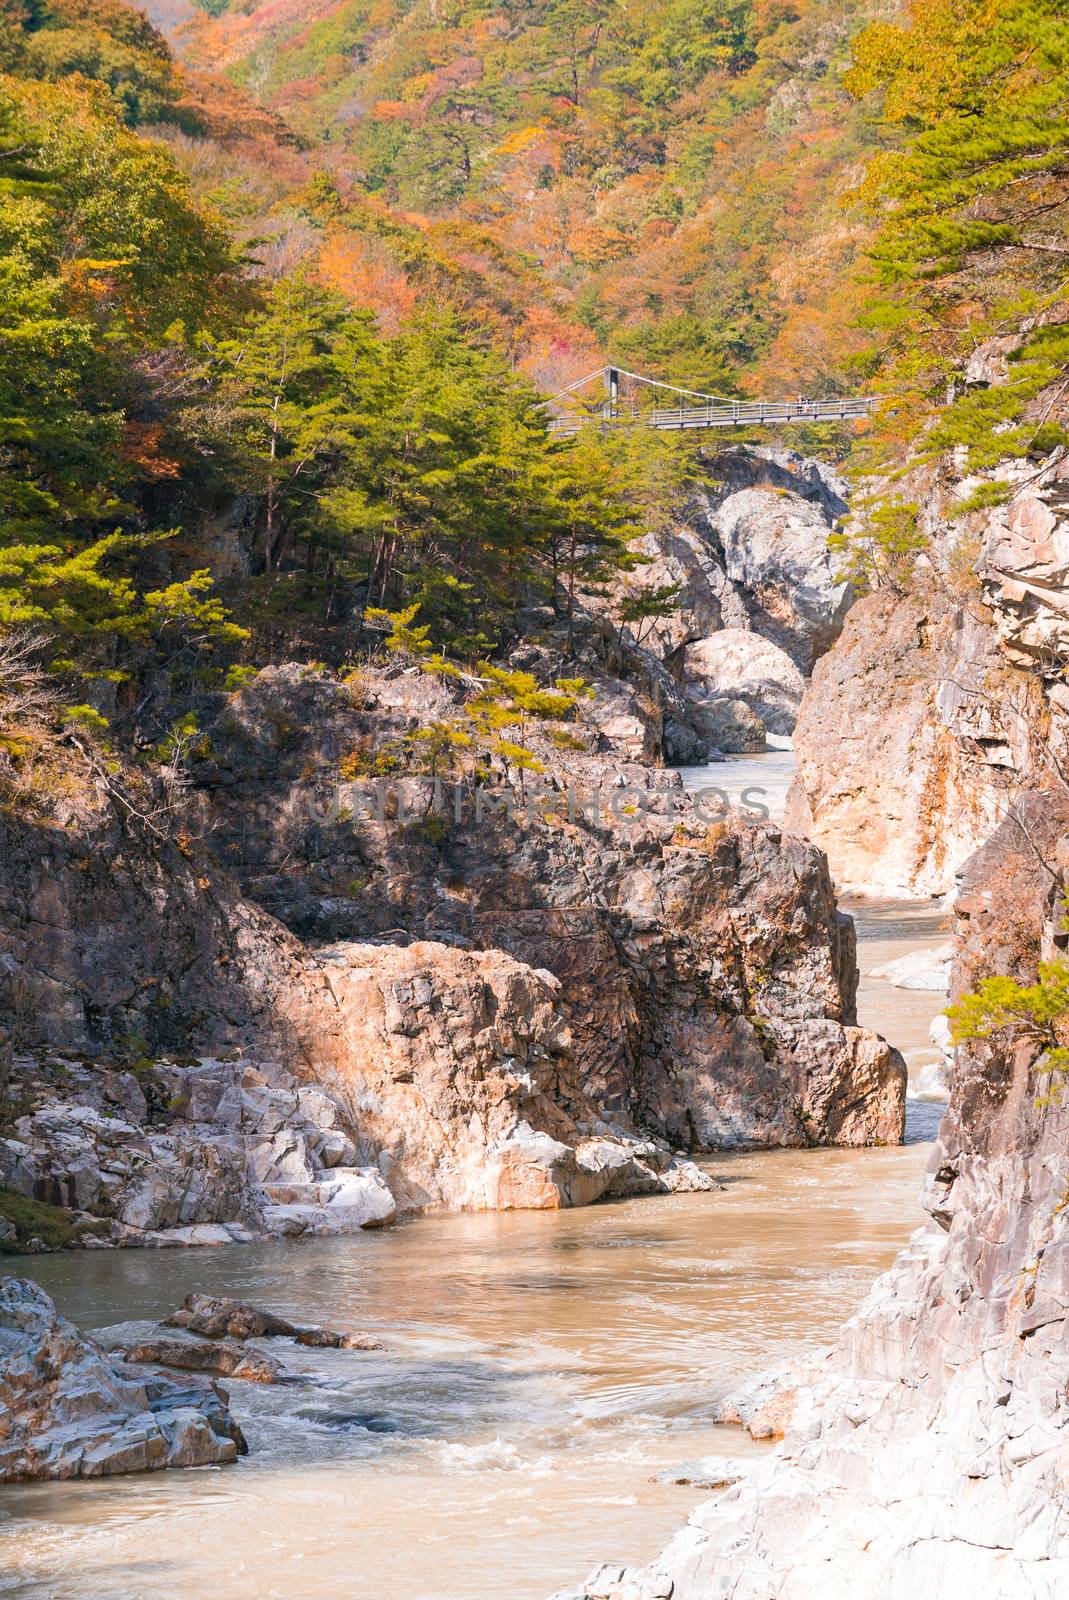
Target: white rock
927,970
739,665
776,550
69,1409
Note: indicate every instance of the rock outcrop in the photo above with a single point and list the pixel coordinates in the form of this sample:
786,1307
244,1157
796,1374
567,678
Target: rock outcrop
321,1002
736,664
68,1409
753,555
775,545
192,1153
750,561
919,728
902,771
929,1451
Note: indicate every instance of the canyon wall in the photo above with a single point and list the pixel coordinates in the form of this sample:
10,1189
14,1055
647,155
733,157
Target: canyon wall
919,726
274,1006
929,1450
759,599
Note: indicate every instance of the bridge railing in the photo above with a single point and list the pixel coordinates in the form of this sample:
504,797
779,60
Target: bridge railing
739,413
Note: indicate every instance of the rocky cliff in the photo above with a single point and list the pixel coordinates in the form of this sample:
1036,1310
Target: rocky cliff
919,726
929,1451
759,599
286,1003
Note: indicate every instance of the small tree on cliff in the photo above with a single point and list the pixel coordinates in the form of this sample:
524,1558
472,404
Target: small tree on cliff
509,699
1037,1012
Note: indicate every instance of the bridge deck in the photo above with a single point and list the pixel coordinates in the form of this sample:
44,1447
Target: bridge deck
734,414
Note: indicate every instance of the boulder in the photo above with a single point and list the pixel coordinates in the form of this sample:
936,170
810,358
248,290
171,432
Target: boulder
228,1360
739,665
343,1200
784,1083
707,1472
775,546
68,1410
218,1318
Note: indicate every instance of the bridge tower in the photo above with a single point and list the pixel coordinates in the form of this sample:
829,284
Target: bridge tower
612,393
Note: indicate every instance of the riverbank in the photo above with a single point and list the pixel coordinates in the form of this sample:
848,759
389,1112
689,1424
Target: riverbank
540,1370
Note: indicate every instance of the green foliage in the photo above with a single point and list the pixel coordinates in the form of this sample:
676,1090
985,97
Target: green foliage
882,553
973,199
104,40
86,717
508,699
680,43
34,1219
406,637
422,465
439,745
1036,1012
236,677
285,414
102,256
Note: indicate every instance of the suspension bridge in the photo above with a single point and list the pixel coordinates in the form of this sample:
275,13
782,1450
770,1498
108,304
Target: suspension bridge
614,396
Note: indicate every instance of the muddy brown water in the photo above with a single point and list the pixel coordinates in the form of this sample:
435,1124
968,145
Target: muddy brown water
539,1370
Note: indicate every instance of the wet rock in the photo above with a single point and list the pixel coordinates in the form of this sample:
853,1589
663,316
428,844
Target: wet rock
708,1472
353,1421
68,1410
766,1405
325,1339
218,1318
228,1360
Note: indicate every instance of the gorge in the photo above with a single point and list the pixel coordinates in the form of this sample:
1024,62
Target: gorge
534,996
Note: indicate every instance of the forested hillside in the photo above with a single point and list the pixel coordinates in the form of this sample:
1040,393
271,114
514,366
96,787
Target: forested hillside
666,180
322,287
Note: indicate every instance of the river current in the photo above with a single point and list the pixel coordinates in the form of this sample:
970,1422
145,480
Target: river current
540,1369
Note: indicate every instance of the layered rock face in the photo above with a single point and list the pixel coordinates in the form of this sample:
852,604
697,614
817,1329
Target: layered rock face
69,1410
201,1153
929,1452
918,728
693,963
903,770
760,600
334,1013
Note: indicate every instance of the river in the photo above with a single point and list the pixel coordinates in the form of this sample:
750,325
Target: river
539,1370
